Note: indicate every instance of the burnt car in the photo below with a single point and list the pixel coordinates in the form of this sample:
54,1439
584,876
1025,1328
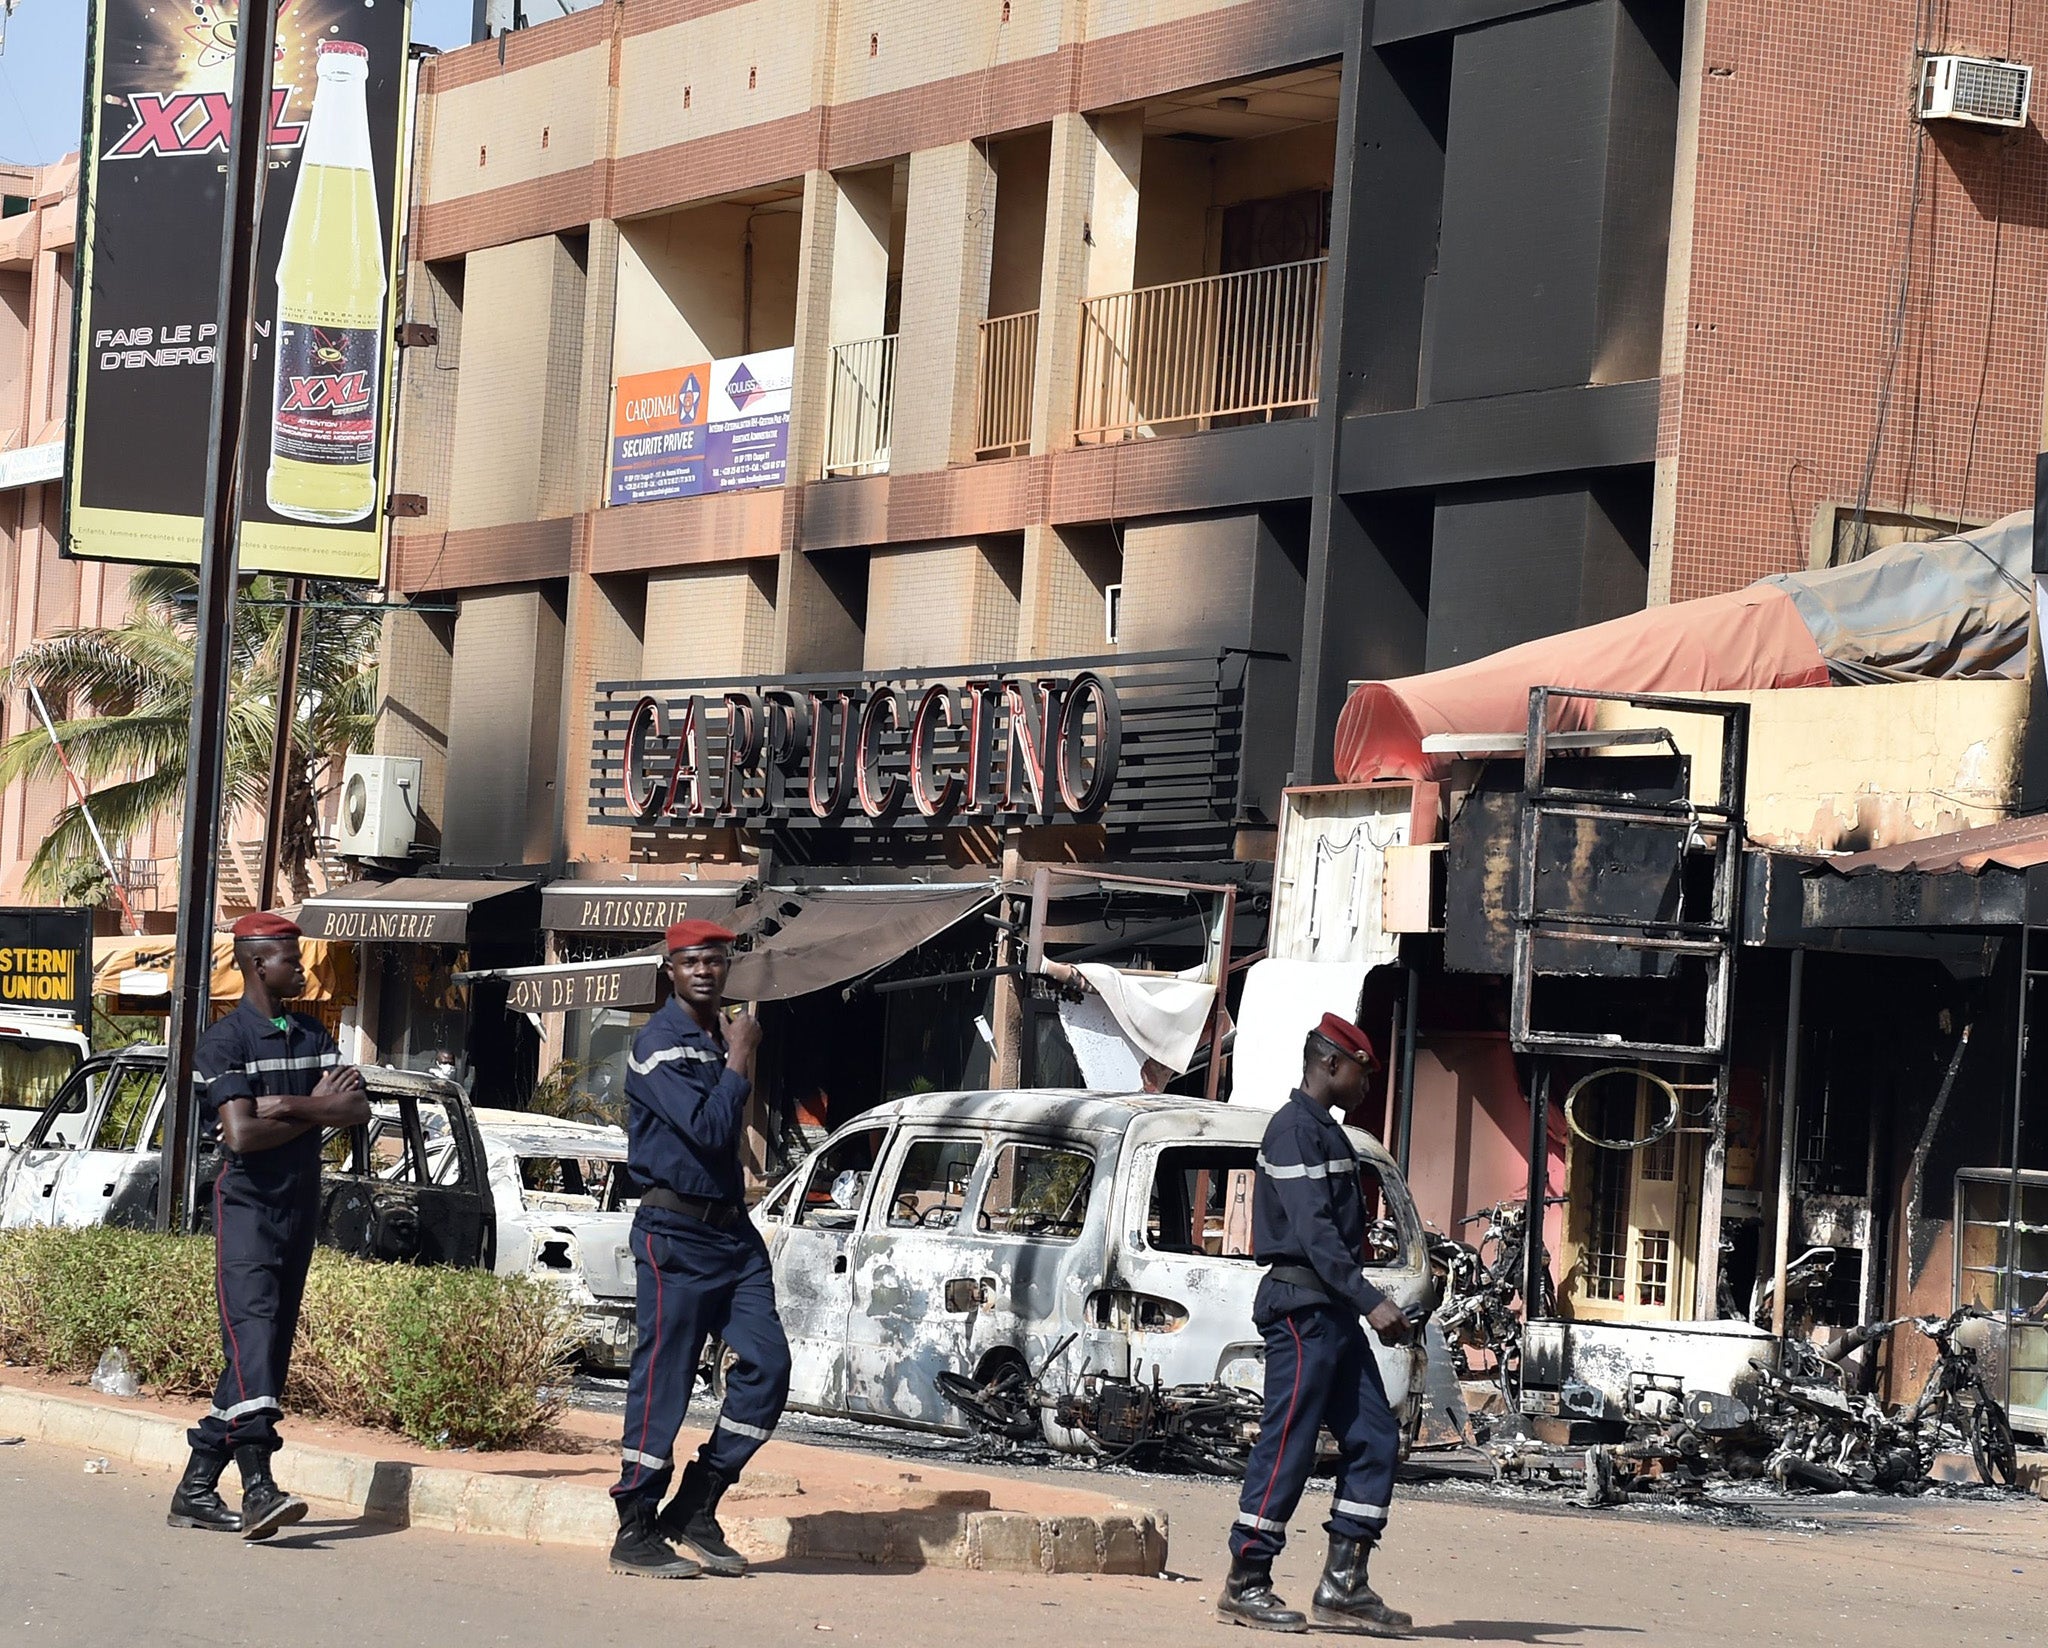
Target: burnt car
413,1187
1068,1265
563,1206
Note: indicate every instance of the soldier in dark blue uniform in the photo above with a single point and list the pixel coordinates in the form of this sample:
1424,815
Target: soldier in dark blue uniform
1308,1229
270,1081
702,1268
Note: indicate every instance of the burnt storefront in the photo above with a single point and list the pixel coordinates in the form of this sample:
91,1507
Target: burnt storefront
879,841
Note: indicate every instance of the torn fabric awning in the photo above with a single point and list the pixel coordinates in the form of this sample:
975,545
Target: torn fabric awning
818,937
624,982
416,909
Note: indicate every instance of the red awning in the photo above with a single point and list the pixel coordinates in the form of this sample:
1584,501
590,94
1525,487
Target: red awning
1744,641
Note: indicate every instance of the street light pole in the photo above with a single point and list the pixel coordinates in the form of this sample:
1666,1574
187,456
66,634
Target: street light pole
241,234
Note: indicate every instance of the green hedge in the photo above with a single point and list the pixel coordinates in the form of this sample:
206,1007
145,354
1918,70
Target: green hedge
457,1358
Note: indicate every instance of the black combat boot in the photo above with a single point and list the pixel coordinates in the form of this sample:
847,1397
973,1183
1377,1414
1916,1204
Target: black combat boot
197,1502
1248,1599
265,1506
641,1550
691,1520
1345,1602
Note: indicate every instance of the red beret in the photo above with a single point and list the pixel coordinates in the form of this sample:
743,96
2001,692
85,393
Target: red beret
690,935
265,924
1346,1037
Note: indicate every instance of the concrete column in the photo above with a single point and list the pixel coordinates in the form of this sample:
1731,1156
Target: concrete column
1091,247
593,622
1067,571
933,605
504,727
518,396
948,242
819,613
415,666
606,618
1677,302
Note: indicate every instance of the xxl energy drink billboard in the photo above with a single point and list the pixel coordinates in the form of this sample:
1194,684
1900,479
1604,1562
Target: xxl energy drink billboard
316,441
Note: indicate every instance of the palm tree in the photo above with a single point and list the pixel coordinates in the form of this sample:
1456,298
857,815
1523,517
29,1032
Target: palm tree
124,695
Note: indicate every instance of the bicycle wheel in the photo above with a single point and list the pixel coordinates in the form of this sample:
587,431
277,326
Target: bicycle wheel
1991,1444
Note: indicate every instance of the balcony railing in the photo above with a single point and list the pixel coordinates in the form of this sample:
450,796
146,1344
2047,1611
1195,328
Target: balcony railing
1009,361
1198,354
862,407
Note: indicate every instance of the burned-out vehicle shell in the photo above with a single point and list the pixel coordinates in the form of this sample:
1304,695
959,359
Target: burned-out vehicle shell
1088,1242
564,1206
95,1154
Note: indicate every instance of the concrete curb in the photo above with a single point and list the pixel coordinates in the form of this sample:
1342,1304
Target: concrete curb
948,1529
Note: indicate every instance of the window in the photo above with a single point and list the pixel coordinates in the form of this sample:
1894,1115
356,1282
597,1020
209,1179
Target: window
1202,1201
1036,1190
564,1183
931,1186
131,1090
32,1072
838,1180
1653,1267
1607,1248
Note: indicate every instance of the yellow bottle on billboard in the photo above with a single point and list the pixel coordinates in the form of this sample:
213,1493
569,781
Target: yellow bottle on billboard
330,307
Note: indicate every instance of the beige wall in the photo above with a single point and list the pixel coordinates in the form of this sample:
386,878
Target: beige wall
932,605
709,621
1836,769
683,284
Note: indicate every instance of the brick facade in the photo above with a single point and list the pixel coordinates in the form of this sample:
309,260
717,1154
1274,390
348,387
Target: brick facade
1808,158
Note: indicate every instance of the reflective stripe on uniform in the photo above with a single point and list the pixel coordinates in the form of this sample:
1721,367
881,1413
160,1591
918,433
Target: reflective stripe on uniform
1307,1170
755,1431
1245,1519
1364,1513
653,1461
255,1404
305,1061
669,1055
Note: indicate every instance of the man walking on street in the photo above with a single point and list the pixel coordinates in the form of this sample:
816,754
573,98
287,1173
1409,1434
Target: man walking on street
271,1081
1308,1229
702,1268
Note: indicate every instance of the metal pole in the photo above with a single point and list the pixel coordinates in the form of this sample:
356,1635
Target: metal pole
85,809
1539,1187
281,747
1408,1063
241,232
1788,1139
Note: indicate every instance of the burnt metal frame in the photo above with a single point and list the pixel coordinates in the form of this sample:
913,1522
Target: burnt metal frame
1716,937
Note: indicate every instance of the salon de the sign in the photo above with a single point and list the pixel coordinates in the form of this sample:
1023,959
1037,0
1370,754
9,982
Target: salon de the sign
1000,748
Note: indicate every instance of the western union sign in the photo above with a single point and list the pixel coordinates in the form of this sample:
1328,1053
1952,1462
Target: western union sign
46,960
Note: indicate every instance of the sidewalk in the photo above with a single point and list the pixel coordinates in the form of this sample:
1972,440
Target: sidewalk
795,1503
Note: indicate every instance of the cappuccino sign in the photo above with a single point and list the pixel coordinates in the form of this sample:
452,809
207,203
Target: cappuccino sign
1012,750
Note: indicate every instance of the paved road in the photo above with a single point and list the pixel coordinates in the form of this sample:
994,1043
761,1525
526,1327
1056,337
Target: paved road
86,1559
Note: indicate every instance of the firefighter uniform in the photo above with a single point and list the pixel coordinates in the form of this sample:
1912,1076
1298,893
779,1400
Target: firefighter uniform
1309,1226
702,1269
266,1212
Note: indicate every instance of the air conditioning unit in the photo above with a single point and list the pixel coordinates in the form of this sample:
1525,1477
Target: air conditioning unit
380,805
1983,91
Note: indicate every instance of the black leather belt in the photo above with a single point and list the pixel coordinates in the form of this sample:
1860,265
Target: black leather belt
1298,1276
719,1215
